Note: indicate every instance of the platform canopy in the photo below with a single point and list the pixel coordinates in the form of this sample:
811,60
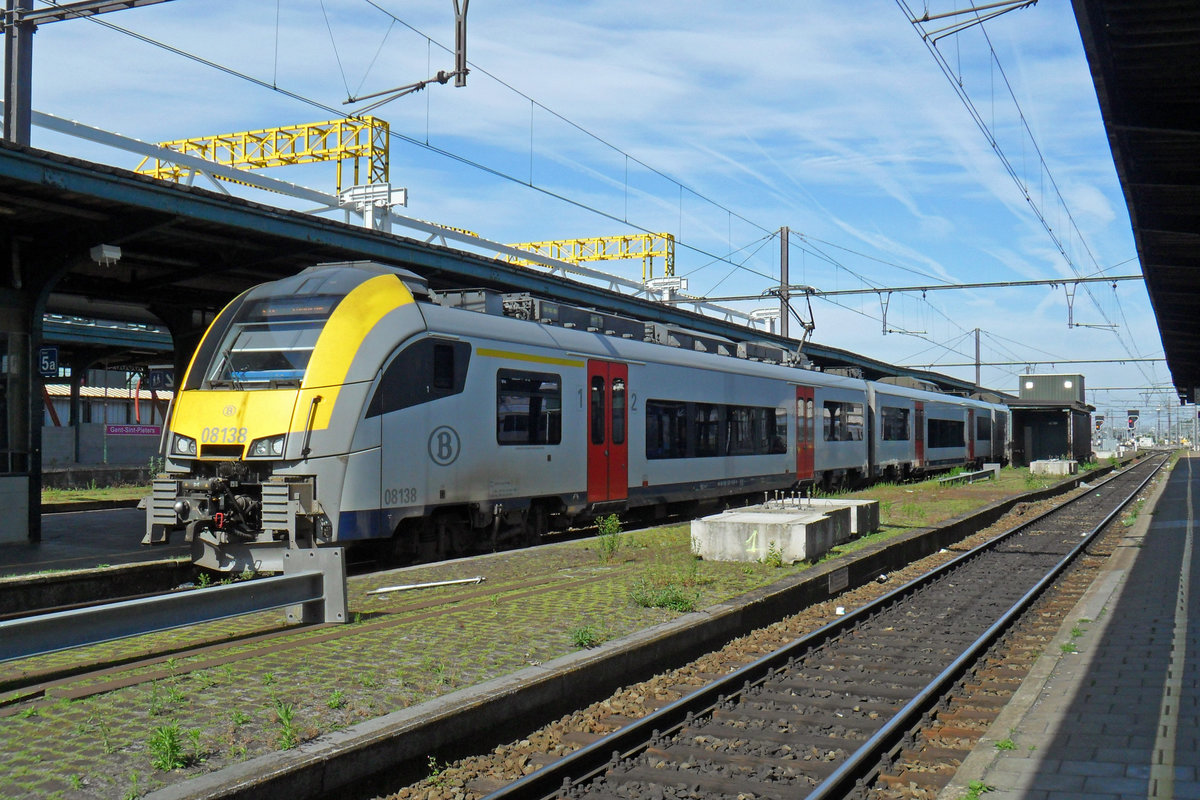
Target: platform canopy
1145,63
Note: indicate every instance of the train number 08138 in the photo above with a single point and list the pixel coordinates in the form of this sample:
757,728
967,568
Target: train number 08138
400,497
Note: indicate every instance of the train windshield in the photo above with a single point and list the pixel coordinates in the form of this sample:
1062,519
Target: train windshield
269,343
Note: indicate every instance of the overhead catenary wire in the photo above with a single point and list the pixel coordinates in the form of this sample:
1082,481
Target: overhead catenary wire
807,244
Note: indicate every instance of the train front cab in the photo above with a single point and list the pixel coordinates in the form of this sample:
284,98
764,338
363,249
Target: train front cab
264,430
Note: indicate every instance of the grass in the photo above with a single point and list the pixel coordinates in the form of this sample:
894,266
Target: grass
585,637
94,494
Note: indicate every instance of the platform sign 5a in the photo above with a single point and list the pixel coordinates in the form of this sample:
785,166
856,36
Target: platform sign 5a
160,377
48,361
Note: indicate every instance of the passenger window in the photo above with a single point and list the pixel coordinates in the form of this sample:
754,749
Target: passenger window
443,366
528,407
618,411
597,410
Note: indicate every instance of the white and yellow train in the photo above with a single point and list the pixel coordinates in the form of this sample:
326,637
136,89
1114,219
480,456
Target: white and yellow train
348,404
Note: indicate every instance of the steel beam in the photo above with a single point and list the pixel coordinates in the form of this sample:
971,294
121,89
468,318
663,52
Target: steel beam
318,590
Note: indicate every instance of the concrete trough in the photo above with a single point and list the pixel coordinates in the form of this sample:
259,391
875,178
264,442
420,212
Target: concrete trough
1058,468
864,515
753,535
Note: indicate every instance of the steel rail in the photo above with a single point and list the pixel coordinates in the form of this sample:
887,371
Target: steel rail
859,765
590,761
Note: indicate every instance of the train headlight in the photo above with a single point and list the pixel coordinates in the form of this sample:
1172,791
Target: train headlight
270,447
184,446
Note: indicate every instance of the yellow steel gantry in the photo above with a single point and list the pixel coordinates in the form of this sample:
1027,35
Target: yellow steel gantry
606,248
337,140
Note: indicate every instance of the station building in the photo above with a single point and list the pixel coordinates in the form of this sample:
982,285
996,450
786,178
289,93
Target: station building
1051,419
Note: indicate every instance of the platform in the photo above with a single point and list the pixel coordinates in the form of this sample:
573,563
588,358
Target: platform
1120,717
85,540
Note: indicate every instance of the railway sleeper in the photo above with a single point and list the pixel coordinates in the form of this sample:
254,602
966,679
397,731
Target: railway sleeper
896,687
826,703
840,745
767,767
922,779
772,714
655,780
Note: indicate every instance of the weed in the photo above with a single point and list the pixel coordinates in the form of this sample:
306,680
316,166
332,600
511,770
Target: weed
157,706
609,540
239,717
196,753
204,580
585,637
435,771
76,782
26,713
337,699
976,788
100,723
167,748
648,593
285,715
268,679
441,675
171,664
1006,744
774,557
134,791
247,574
1069,647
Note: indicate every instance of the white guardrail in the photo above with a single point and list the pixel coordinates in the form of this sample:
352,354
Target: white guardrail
312,588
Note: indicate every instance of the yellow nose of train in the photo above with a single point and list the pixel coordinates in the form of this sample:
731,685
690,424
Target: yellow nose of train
277,372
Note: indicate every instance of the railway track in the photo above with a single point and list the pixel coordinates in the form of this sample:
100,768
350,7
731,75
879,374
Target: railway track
837,713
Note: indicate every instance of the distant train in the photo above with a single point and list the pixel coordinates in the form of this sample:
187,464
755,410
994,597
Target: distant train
349,404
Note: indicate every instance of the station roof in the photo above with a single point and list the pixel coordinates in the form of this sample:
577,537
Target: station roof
186,251
1145,63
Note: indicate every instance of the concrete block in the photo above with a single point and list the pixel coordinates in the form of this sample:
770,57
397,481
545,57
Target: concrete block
746,535
863,514
1054,467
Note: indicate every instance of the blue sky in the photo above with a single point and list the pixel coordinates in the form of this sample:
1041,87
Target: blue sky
717,122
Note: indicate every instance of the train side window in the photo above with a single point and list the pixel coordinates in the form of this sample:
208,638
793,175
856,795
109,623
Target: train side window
946,433
443,366
779,436
894,424
424,371
618,411
528,407
597,405
708,430
666,429
843,422
983,428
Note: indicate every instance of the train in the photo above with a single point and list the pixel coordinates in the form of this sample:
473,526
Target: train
351,405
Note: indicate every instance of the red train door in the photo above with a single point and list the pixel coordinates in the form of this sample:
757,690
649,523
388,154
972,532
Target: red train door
805,433
970,434
608,424
919,432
